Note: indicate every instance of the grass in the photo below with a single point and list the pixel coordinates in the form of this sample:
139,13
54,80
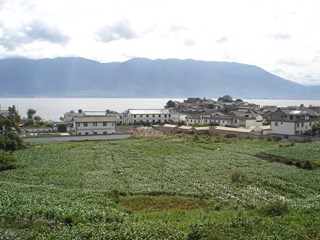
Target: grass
165,188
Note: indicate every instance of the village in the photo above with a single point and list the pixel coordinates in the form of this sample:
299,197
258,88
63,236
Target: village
225,117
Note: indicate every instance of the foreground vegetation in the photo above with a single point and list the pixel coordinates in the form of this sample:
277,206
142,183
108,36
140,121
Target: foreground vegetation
178,187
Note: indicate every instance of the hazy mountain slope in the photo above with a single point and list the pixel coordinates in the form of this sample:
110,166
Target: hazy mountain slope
138,77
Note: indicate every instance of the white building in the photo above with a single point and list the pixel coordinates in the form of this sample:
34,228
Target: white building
215,118
152,116
94,125
243,120
292,122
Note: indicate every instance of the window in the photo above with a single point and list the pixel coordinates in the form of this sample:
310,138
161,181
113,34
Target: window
104,133
147,116
141,116
153,116
276,124
95,133
169,115
85,124
86,133
165,115
134,116
105,124
78,124
112,124
159,115
95,124
302,124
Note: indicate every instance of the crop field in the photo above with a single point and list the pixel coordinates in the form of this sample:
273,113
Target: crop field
171,187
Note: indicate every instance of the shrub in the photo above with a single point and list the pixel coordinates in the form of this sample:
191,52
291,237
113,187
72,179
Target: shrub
11,142
275,208
238,176
195,137
307,165
7,161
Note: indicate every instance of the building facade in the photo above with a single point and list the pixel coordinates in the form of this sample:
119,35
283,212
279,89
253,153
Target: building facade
292,122
151,116
94,125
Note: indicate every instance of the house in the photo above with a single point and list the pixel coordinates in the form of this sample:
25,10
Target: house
292,122
152,116
246,119
94,125
216,118
253,131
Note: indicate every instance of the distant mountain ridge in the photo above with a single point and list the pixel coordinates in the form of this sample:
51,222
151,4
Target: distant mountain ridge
139,77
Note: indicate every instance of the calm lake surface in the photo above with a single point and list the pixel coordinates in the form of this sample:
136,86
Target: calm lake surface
54,108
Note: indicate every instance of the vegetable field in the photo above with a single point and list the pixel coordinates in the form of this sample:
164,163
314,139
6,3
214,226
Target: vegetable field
175,187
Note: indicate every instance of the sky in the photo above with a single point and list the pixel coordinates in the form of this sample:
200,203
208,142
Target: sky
280,36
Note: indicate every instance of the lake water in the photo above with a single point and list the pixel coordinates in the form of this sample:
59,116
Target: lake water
54,108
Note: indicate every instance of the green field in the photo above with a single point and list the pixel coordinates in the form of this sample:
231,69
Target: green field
174,187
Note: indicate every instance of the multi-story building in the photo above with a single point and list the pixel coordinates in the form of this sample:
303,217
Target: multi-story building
152,116
292,122
94,125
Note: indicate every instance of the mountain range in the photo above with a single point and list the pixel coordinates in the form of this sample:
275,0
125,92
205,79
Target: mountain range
139,77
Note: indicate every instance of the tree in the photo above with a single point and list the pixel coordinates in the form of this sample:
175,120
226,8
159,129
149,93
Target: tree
30,113
225,98
12,121
170,104
315,129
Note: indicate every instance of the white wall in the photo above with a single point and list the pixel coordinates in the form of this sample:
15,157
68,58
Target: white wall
285,128
80,129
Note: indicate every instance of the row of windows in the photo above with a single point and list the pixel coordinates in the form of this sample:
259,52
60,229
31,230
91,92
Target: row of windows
94,133
85,124
297,124
141,116
214,121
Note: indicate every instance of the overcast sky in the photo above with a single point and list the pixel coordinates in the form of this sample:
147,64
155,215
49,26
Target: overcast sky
281,36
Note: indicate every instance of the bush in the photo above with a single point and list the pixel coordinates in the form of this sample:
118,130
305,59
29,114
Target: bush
307,165
7,161
11,142
275,208
238,176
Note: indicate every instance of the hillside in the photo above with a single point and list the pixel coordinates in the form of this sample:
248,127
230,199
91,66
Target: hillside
79,77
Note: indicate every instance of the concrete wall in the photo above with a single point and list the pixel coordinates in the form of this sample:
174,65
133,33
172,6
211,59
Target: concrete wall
94,128
285,128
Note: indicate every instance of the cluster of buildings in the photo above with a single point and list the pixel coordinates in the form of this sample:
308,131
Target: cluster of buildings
204,114
195,114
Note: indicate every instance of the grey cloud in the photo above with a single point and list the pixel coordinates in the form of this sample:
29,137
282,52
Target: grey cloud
11,38
36,30
222,40
120,30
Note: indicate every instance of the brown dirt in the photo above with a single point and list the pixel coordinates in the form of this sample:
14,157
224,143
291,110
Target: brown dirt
161,203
